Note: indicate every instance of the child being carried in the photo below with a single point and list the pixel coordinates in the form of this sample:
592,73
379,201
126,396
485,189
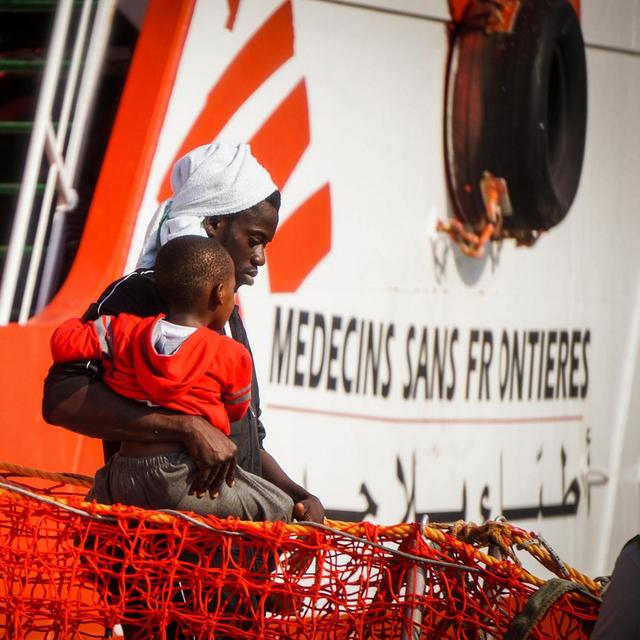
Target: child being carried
180,362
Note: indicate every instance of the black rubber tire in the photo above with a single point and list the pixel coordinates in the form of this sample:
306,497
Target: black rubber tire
517,107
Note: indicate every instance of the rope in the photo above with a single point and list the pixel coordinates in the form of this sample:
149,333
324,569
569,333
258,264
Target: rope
71,566
251,525
501,534
67,478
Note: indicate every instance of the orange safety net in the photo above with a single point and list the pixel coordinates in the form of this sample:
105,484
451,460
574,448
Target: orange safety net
72,569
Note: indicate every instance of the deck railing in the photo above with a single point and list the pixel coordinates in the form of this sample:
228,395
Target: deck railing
63,148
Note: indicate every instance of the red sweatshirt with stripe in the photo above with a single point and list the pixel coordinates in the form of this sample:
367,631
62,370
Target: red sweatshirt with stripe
208,375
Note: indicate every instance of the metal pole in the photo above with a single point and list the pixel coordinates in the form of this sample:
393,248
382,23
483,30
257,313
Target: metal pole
58,144
34,160
416,586
93,64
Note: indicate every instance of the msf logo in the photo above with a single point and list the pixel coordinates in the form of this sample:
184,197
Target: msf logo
278,144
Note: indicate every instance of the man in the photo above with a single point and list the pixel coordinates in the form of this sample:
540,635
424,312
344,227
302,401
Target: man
221,191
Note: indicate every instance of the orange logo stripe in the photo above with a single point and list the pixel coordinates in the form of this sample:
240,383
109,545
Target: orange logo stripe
283,138
234,5
301,242
305,237
268,49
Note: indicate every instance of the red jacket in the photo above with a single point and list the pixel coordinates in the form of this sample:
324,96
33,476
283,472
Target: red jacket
209,375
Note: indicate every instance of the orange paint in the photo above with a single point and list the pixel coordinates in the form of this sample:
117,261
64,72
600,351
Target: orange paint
278,145
106,240
269,48
234,5
457,8
284,137
25,438
301,242
103,250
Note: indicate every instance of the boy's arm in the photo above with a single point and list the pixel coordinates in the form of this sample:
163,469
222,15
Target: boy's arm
236,395
306,505
75,340
78,401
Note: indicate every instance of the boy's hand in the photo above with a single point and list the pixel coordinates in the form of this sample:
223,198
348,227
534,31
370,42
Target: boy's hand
310,509
213,453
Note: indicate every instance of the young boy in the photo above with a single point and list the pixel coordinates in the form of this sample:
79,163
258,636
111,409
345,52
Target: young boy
179,362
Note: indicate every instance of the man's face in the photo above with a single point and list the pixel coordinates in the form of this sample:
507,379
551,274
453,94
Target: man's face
245,237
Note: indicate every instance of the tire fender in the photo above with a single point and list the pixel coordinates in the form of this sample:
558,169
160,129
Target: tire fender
516,106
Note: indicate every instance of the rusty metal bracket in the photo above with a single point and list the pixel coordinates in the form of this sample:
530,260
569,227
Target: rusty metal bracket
495,195
502,18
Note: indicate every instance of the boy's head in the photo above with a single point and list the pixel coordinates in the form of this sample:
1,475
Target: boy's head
195,275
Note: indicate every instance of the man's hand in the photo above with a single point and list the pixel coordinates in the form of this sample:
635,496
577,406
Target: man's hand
305,505
213,454
89,407
309,509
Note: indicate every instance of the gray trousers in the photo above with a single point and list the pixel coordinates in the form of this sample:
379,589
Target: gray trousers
163,481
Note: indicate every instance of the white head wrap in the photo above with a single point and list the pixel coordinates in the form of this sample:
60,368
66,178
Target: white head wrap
216,179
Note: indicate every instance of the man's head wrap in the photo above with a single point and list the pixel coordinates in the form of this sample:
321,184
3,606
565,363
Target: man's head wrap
217,179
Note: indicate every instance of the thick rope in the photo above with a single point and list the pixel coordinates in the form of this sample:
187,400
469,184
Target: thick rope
501,534
76,479
72,566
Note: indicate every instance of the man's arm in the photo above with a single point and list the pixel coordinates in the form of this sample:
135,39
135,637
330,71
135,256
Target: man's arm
307,506
87,406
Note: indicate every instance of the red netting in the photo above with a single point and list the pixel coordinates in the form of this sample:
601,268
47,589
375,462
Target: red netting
70,569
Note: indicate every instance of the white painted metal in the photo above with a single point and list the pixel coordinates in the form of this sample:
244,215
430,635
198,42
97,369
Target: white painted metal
34,158
434,9
375,86
68,195
415,585
57,145
77,139
86,95
625,448
612,24
374,74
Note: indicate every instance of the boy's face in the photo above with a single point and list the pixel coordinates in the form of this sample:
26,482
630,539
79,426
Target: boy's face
225,301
